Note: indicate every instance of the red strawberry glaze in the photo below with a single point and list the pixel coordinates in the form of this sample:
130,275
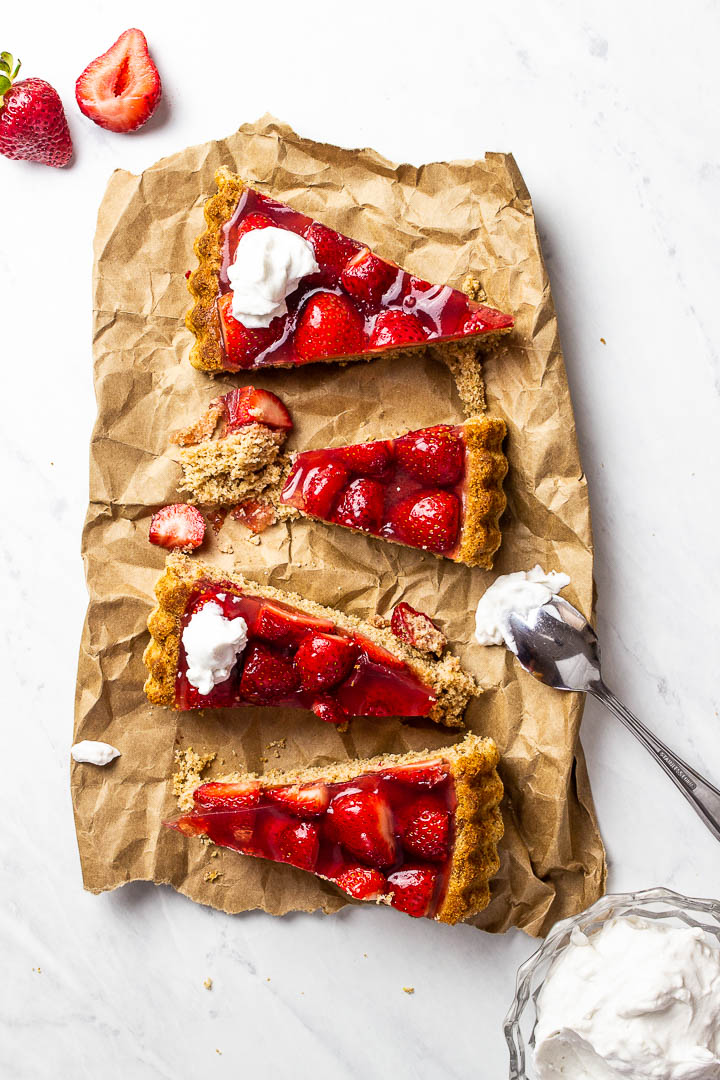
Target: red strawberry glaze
385,481
294,659
438,311
351,833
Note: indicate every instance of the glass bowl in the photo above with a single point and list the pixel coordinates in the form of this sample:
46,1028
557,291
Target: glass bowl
662,904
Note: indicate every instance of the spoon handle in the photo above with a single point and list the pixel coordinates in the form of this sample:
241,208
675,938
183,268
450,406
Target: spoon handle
700,793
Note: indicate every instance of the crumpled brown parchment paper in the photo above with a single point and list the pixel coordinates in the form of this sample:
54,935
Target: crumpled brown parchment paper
440,220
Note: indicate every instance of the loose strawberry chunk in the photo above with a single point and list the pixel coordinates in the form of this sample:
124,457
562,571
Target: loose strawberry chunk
412,889
361,505
417,629
329,326
243,345
303,800
120,89
250,405
425,827
298,844
435,455
362,883
227,796
323,660
255,516
368,459
363,824
332,251
482,320
33,126
367,276
428,520
251,222
329,710
321,486
397,328
267,676
177,526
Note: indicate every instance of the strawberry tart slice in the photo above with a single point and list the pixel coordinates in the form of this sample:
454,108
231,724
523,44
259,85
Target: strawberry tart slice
221,641
276,289
417,831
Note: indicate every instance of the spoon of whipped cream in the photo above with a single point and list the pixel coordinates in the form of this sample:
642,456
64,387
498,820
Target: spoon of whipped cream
556,644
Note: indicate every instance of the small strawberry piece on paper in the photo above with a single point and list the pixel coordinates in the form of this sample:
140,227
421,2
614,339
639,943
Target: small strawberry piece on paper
178,526
250,405
33,126
120,90
417,629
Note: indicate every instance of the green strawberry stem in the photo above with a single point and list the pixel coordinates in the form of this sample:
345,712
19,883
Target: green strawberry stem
7,74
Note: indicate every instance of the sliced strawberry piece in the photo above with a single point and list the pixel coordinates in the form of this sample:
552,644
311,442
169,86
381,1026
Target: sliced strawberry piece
379,655
435,455
120,89
329,325
286,627
420,285
363,823
425,828
321,487
417,629
368,459
299,845
361,505
251,405
323,660
483,319
367,276
425,774
362,883
224,795
252,222
332,251
329,710
243,345
412,889
429,520
267,676
255,516
177,526
397,328
303,800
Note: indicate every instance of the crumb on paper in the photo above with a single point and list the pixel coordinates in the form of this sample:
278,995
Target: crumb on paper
409,989
38,971
276,746
208,983
218,1051
254,539
602,339
212,875
189,768
214,854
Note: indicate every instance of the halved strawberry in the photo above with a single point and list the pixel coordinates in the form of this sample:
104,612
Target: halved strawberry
251,405
361,505
425,774
363,823
483,319
255,516
177,526
303,800
329,325
332,251
362,883
251,222
120,89
368,459
367,276
397,328
425,828
430,520
323,660
286,627
225,795
321,486
329,710
267,676
435,455
412,889
417,629
243,345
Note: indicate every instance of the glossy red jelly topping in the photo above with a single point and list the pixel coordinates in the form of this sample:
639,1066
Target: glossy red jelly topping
294,659
356,303
409,489
388,833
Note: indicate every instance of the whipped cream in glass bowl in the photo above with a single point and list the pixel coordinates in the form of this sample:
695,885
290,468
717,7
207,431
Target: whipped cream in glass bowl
629,988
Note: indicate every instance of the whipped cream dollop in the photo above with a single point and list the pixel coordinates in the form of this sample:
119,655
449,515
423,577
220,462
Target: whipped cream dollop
524,592
268,266
637,999
94,753
212,645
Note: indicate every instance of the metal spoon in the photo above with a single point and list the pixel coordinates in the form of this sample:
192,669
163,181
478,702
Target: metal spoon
558,646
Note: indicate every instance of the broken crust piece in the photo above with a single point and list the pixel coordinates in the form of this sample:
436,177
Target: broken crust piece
417,831
292,644
418,315
244,465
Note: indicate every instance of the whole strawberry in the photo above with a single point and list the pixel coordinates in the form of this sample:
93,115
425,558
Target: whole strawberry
32,119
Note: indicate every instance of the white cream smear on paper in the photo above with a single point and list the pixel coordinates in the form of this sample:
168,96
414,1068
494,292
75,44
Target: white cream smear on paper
94,753
268,266
524,592
212,645
638,999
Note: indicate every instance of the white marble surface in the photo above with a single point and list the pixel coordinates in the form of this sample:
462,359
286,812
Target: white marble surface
611,111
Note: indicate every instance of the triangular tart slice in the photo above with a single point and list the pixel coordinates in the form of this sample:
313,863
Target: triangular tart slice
221,641
346,303
417,831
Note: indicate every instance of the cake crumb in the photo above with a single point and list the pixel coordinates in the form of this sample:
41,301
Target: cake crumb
208,983
214,854
409,989
254,539
189,768
218,1052
604,342
276,746
212,875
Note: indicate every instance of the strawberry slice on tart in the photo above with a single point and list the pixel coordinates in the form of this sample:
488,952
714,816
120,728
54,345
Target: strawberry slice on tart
276,289
372,828
221,641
